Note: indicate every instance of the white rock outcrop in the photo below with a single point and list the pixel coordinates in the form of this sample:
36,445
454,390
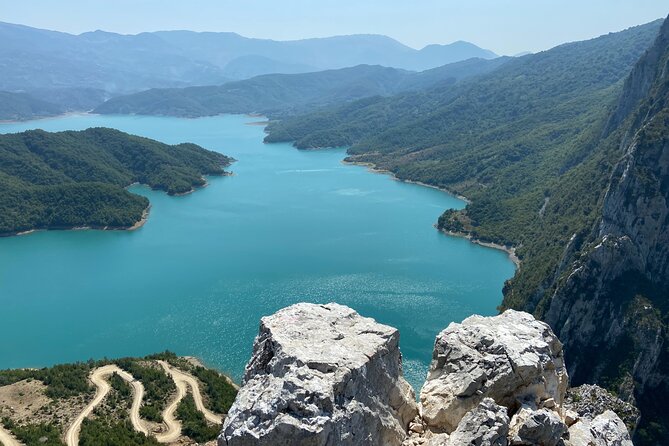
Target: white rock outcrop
485,425
322,375
531,426
606,429
512,358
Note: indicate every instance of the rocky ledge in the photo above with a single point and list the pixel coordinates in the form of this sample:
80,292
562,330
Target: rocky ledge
324,375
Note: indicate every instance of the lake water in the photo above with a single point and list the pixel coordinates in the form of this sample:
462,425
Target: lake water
289,226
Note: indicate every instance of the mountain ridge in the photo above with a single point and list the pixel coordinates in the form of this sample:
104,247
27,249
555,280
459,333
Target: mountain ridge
286,94
123,63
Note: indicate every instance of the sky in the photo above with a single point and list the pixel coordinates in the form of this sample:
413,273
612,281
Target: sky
504,26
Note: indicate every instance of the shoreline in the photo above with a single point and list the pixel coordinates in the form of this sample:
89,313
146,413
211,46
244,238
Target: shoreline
142,221
511,251
44,118
373,169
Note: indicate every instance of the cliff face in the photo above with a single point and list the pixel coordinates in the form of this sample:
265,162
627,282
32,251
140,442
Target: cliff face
611,304
321,375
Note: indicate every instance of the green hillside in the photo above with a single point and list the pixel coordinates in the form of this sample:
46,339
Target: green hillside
287,94
510,141
71,179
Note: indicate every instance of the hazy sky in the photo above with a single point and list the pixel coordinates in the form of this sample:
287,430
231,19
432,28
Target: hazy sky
504,26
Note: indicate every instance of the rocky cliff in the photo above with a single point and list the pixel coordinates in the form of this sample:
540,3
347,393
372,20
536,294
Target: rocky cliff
611,307
323,375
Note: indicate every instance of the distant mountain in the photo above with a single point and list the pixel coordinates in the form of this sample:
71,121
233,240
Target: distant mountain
286,94
36,59
435,55
32,59
45,102
19,106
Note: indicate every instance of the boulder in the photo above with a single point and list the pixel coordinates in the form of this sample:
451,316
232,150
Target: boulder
321,375
512,358
536,427
609,430
589,400
606,429
486,425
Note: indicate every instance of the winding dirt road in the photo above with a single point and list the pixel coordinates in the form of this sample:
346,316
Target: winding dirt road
98,377
182,382
7,439
179,376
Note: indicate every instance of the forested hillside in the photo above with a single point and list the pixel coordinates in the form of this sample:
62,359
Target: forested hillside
70,179
287,94
511,141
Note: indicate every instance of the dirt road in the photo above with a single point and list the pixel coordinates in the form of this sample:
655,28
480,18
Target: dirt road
98,377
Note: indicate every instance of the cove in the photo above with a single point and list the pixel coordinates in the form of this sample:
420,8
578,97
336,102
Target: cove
289,226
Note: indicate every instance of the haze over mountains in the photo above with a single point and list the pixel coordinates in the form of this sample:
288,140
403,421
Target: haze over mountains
276,95
76,71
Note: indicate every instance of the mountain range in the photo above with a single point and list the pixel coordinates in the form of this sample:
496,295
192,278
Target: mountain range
278,95
33,58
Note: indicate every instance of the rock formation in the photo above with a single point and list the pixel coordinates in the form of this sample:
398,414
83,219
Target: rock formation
512,358
322,375
609,306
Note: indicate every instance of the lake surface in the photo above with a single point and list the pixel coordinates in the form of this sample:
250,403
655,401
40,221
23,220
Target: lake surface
289,226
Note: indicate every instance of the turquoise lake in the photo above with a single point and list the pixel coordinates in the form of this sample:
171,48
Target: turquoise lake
289,226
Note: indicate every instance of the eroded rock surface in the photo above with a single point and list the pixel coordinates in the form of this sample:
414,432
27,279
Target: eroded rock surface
541,427
511,358
606,429
322,375
589,400
486,425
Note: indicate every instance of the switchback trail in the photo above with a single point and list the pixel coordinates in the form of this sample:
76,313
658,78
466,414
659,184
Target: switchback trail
182,381
98,377
179,376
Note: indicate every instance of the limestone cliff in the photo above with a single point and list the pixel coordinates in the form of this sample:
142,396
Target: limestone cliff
611,306
322,375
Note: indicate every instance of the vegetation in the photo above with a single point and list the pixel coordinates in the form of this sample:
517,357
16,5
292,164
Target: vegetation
521,142
286,94
533,145
193,422
62,381
70,179
157,385
110,424
105,432
35,434
219,392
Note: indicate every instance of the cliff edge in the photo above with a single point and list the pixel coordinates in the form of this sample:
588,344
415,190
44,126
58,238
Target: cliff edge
323,375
